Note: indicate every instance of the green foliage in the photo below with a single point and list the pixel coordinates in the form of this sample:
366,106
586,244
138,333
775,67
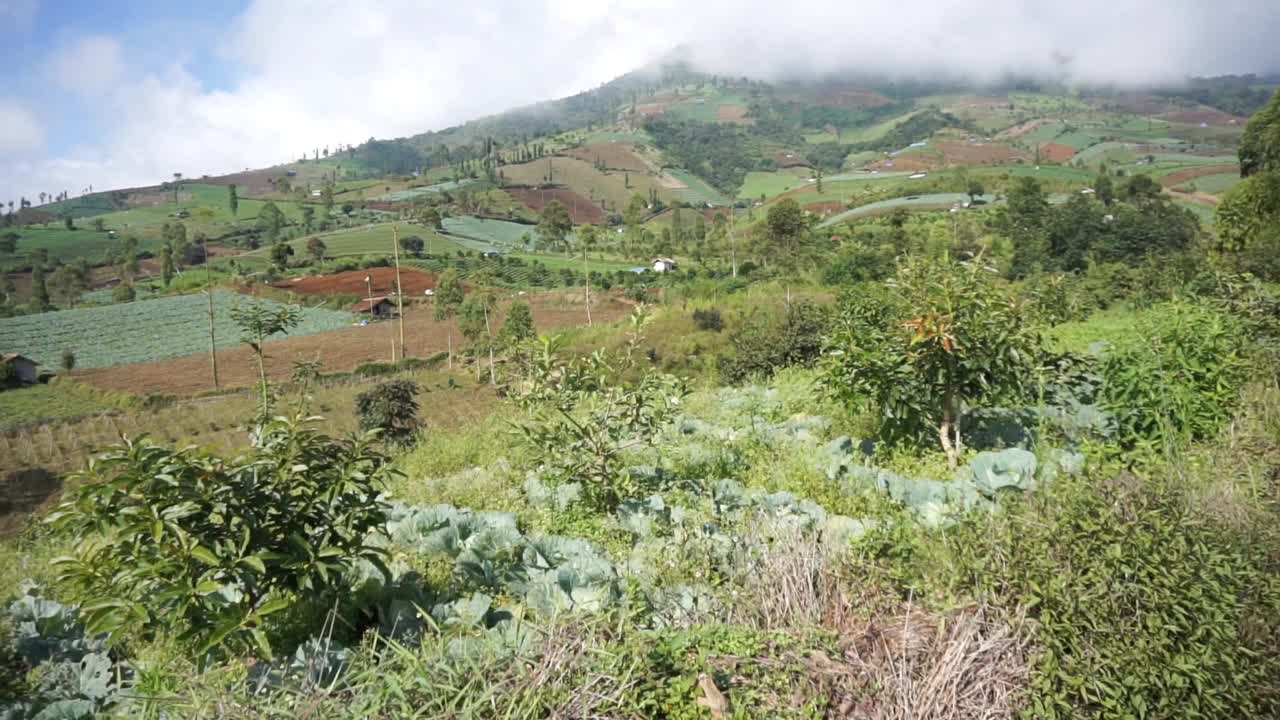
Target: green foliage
390,408
1178,379
1143,608
939,338
257,322
1260,145
212,547
554,225
518,326
449,294
123,293
720,153
708,319
764,344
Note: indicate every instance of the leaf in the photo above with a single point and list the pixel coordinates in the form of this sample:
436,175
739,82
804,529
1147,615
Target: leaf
273,605
260,639
204,555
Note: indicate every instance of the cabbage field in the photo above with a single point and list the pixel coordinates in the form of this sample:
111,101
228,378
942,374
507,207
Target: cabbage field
139,331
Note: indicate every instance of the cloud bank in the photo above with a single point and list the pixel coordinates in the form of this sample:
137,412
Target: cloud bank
339,71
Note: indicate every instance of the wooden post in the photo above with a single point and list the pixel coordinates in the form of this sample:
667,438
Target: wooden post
489,332
213,344
395,247
450,336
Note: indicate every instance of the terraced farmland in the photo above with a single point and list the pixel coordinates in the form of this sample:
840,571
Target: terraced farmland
140,331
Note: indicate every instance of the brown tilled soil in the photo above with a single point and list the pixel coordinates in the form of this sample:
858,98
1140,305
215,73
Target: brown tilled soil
963,153
1208,116
338,350
615,155
1057,152
581,209
735,114
1182,176
352,282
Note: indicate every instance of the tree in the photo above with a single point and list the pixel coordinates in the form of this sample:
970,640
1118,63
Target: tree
518,326
280,254
308,217
9,242
257,322
1023,220
1260,145
975,190
69,282
270,221
348,208
39,291
1104,189
326,198
554,225
99,225
635,212
449,294
316,249
786,228
70,222
391,409
67,361
699,228
123,293
166,264
1141,189
473,323
431,218
412,244
233,201
943,338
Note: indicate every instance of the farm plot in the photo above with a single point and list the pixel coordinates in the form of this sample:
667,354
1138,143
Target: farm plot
1216,184
381,279
1175,179
341,350
614,155
966,153
768,184
615,188
495,235
934,201
696,191
139,331
581,209
417,192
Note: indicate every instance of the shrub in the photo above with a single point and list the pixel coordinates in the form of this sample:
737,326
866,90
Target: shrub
212,547
123,293
763,344
390,408
708,319
1179,378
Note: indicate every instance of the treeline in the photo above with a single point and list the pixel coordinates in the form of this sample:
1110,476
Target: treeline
1241,95
720,154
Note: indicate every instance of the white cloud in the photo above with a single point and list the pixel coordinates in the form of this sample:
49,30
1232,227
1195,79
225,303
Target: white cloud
339,71
89,66
20,130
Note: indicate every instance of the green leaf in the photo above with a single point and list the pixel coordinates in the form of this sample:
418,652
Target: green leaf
204,555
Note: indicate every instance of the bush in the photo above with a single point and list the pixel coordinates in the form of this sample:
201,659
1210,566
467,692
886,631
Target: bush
123,293
1178,379
212,547
763,345
390,408
708,319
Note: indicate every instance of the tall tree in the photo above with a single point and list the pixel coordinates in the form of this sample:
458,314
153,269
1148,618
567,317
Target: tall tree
1104,188
316,249
448,295
39,291
554,225
1260,145
270,221
233,201
166,263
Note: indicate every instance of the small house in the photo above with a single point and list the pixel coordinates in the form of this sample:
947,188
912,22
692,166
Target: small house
378,307
661,265
25,369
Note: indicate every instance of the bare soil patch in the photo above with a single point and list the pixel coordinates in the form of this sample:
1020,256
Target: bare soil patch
1057,152
581,209
1182,176
352,282
615,156
338,351
964,153
734,114
789,159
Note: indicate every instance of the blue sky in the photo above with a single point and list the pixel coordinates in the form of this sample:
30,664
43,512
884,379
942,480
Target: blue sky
114,94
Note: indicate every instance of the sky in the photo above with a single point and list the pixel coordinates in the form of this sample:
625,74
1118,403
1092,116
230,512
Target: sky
109,94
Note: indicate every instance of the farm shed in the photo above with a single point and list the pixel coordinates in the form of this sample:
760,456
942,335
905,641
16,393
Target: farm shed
24,367
662,265
379,307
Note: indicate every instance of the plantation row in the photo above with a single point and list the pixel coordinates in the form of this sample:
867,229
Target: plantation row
140,331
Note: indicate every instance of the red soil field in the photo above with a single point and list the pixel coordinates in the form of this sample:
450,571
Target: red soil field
823,209
383,279
735,114
616,156
1182,176
962,153
580,208
338,350
1057,152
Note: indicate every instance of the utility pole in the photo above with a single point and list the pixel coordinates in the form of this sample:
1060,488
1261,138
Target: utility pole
213,344
395,248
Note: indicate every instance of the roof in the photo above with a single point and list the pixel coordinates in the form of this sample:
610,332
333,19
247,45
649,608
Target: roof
10,357
668,261
368,304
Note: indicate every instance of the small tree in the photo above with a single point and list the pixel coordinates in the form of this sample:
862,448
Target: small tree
554,226
975,190
67,361
940,337
123,293
412,244
167,268
316,249
280,254
257,322
233,201
449,294
518,326
391,408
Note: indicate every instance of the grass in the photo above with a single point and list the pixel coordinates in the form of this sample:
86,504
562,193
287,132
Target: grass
698,191
1215,184
139,331
584,179
759,183
934,201
58,400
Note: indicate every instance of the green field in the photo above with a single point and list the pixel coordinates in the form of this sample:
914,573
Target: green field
932,201
769,184
139,331
55,401
417,192
493,235
1216,184
698,192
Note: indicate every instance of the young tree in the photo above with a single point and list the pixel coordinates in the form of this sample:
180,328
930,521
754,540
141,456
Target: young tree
166,263
942,337
554,225
123,293
280,254
473,322
233,201
975,190
39,291
67,361
412,244
9,242
431,218
1104,189
69,283
99,225
391,408
308,217
257,322
270,221
449,294
518,326
316,249
326,198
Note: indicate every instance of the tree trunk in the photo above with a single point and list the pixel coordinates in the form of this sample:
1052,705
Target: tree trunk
945,432
489,333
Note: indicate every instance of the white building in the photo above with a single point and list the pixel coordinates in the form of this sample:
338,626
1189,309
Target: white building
661,265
